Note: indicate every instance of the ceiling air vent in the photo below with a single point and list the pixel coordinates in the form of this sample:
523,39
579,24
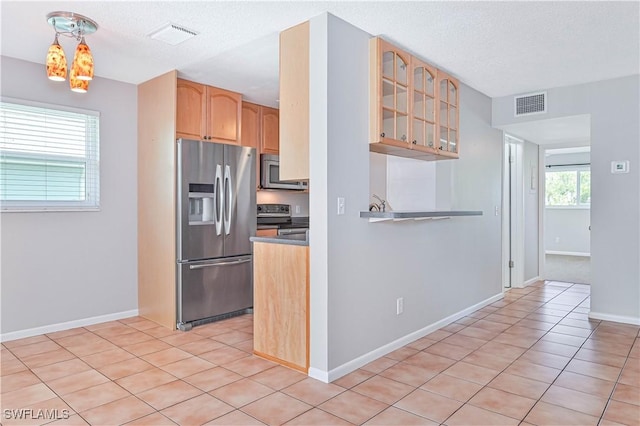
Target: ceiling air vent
531,103
173,34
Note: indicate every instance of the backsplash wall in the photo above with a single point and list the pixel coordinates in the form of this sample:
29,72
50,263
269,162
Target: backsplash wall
294,198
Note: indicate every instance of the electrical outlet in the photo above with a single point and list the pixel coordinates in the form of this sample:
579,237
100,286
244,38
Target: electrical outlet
557,239
341,205
399,305
297,209
496,210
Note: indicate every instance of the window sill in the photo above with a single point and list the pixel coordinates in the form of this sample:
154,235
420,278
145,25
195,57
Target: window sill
568,207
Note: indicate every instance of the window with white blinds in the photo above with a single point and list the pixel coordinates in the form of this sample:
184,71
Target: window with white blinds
49,157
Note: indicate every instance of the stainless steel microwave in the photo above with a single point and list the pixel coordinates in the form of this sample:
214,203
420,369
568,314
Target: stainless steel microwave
270,175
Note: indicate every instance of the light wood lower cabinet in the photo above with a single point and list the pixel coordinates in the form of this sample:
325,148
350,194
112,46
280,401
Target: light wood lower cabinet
267,233
281,304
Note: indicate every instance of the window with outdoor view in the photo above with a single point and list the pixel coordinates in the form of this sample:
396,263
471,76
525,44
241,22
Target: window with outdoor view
49,157
568,187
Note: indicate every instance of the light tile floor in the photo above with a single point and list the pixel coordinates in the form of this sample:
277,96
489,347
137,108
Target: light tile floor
532,358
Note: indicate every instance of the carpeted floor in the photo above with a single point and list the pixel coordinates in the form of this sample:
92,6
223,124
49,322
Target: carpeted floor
571,269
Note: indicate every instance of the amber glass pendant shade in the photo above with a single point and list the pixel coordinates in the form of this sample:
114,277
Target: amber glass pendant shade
82,66
77,85
56,62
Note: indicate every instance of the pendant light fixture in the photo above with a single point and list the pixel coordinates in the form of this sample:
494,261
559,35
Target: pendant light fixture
83,62
77,85
56,62
81,71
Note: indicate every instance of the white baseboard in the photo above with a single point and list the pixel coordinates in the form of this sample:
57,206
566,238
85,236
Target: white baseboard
615,318
532,281
354,364
316,373
21,334
568,253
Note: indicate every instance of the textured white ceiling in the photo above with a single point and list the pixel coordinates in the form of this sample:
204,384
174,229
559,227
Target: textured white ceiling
499,48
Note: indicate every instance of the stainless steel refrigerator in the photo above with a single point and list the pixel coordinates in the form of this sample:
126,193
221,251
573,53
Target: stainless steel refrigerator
216,215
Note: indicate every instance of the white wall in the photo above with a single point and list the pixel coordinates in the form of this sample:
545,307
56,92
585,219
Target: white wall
614,106
567,230
531,212
358,269
65,266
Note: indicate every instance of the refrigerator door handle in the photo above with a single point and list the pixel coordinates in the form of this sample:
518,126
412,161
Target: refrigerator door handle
228,199
218,201
208,265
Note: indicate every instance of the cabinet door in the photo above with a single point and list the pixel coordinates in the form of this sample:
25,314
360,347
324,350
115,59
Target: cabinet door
250,125
270,130
423,108
281,304
251,133
448,114
267,233
224,109
393,98
191,107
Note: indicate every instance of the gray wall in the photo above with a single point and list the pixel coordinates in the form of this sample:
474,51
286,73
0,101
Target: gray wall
570,227
64,266
614,106
358,269
530,162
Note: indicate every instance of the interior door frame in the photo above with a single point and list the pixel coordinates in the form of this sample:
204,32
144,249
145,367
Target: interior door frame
513,212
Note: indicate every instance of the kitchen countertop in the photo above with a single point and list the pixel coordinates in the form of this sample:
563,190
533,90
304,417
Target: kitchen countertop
292,239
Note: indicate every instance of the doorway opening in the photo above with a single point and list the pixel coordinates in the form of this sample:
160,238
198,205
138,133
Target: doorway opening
567,213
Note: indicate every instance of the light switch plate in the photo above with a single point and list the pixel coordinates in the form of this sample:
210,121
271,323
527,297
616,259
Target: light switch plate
340,205
619,167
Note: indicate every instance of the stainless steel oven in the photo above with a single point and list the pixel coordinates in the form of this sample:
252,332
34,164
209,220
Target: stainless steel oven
270,175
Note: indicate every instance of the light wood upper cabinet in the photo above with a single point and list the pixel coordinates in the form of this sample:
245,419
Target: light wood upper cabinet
294,103
390,85
423,116
224,109
251,125
270,143
191,110
208,113
405,105
448,114
252,132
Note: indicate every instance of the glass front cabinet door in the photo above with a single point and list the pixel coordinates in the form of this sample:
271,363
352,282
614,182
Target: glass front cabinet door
423,116
448,114
390,105
414,106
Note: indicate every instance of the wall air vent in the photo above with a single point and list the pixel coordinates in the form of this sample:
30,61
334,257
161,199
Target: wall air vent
531,103
173,34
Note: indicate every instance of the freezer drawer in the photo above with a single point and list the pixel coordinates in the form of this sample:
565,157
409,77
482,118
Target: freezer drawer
214,287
